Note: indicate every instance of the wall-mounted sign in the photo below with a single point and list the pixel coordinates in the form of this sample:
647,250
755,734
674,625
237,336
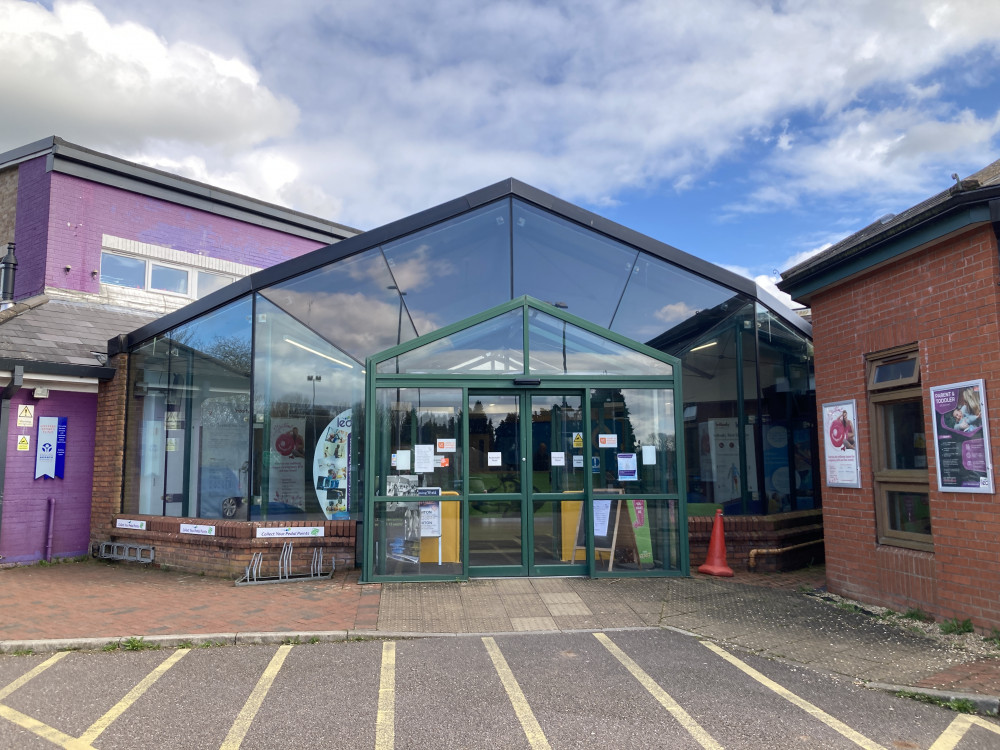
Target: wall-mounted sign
128,523
24,443
265,532
26,415
197,528
962,438
840,444
50,460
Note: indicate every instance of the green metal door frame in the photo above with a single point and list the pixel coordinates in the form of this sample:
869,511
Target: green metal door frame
525,385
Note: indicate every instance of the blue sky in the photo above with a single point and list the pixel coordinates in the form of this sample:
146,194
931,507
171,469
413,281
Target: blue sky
747,133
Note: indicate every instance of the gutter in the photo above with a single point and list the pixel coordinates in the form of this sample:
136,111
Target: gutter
17,378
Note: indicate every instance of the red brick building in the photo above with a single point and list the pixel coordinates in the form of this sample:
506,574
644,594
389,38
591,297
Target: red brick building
905,322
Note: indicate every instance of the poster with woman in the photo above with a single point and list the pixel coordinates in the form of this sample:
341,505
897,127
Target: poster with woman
840,444
961,437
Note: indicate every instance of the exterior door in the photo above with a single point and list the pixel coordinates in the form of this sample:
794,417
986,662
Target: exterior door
526,483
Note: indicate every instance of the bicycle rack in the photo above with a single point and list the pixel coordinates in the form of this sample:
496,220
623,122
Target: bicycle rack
285,575
141,553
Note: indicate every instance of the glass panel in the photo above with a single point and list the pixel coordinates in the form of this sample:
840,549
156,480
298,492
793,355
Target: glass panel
418,537
555,532
306,448
419,440
494,445
633,440
556,260
903,430
352,303
788,416
188,423
711,366
120,271
166,279
557,453
634,534
661,300
455,269
494,532
495,346
909,511
145,443
895,371
556,346
211,282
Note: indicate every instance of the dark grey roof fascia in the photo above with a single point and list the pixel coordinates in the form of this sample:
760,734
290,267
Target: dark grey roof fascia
24,153
428,217
67,158
40,367
796,280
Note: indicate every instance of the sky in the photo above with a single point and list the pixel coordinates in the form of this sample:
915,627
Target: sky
750,134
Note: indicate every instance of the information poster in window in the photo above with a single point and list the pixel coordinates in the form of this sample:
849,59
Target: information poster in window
840,444
961,437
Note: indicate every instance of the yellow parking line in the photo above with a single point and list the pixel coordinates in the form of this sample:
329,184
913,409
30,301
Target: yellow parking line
683,717
4,692
838,726
532,729
43,730
95,729
951,736
385,719
242,724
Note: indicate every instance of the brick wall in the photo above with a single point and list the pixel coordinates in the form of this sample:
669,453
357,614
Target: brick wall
31,227
945,298
798,535
109,450
82,211
25,524
8,206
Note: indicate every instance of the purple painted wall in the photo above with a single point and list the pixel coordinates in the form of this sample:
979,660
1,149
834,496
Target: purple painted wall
81,211
24,524
31,226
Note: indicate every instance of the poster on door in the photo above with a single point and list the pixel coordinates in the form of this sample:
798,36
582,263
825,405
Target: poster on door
840,444
287,470
961,437
332,467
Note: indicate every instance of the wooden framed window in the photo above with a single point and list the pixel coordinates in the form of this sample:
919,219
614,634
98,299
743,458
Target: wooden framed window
899,450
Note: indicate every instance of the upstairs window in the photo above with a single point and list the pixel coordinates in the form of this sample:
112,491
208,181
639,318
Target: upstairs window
141,273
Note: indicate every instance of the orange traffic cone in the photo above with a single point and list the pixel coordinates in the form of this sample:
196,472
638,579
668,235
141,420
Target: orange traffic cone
715,564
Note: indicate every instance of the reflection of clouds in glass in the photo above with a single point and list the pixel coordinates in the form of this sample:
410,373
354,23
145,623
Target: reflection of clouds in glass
651,412
675,312
356,322
597,363
413,274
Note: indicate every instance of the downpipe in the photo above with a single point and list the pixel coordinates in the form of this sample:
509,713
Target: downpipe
48,541
752,562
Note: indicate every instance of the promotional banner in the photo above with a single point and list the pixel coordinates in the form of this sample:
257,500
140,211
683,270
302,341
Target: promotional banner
50,459
332,467
287,472
720,458
840,444
640,527
961,437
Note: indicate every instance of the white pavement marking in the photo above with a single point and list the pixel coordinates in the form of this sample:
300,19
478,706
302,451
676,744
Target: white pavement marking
532,729
951,736
131,697
242,724
815,711
385,719
683,717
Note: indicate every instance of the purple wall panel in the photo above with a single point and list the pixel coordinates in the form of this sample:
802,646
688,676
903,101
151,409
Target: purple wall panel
24,524
81,211
31,227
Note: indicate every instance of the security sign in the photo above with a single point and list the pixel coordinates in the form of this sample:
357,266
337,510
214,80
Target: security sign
24,442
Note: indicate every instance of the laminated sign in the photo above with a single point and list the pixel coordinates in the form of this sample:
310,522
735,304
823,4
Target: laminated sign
51,454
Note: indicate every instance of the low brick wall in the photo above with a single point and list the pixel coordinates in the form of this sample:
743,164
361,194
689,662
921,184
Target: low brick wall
746,533
227,554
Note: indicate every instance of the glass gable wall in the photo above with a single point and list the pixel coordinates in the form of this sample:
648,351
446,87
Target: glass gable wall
254,410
